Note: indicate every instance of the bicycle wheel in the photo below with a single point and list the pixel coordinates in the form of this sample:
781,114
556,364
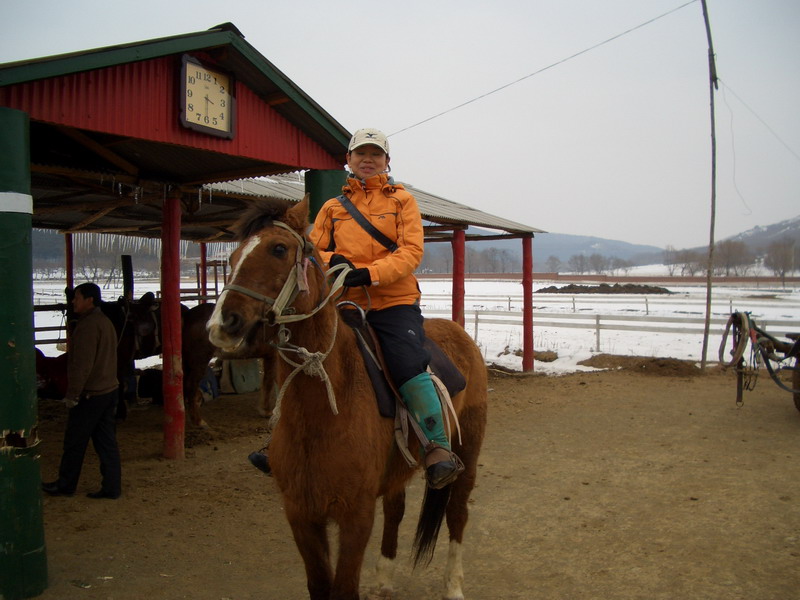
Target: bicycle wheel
796,383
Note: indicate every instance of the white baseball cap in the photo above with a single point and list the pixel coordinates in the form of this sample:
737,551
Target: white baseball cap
362,137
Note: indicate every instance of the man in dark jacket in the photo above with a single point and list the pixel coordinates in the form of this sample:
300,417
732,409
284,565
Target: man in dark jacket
91,398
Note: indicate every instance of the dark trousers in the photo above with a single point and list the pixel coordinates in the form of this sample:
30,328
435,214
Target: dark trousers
92,418
401,335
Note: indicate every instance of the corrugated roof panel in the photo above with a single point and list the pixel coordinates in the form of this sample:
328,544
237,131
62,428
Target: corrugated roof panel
138,100
433,208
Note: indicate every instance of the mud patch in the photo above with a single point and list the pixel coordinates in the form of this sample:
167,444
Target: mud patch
650,366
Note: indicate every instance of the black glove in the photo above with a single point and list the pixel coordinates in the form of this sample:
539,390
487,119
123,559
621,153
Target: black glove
357,278
338,259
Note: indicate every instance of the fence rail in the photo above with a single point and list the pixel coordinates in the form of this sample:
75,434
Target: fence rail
596,322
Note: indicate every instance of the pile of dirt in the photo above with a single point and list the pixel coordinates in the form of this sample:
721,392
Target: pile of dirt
648,365
604,288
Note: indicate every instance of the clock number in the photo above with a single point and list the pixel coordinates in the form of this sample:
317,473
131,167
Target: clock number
189,93
190,107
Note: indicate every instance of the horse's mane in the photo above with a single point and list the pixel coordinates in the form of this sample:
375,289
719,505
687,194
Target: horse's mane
261,213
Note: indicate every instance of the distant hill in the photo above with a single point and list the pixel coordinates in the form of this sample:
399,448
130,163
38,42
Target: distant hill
760,237
563,246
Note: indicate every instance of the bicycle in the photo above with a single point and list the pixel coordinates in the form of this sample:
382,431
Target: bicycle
765,349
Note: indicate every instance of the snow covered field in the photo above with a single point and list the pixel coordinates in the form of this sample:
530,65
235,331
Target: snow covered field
575,339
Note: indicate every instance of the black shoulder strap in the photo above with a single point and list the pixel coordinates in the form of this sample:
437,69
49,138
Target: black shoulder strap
366,225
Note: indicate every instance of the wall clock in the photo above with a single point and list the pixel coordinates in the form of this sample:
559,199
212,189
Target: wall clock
207,99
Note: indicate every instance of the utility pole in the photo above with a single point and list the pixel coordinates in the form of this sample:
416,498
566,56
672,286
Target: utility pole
713,85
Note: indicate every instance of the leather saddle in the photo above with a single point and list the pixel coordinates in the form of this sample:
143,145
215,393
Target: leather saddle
385,390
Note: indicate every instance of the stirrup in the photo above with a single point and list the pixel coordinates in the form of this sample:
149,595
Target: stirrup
443,473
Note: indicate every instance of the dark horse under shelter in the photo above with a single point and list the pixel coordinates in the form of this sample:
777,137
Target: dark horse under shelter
138,326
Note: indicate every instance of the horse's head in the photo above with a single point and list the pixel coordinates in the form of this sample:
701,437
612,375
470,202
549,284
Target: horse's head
270,279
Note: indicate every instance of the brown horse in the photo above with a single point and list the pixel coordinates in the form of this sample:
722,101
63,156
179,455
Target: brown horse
331,453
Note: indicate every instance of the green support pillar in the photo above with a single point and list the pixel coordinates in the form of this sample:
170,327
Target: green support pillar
23,560
322,186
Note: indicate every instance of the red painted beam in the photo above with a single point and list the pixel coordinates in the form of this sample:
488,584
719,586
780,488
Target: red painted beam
174,411
459,253
527,303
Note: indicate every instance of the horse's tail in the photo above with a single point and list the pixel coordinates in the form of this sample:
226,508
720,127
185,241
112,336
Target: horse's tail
431,516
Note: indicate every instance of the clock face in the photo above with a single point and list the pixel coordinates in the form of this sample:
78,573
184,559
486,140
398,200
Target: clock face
207,103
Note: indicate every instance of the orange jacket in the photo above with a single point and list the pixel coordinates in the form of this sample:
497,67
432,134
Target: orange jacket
393,211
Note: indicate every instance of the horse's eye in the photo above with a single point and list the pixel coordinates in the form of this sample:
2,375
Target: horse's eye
279,251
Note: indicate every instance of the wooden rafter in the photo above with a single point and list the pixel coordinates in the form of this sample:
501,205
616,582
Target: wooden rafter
87,142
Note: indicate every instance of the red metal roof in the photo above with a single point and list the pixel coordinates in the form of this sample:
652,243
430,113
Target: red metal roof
139,100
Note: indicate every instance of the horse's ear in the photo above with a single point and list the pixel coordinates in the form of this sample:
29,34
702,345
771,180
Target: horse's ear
297,215
147,299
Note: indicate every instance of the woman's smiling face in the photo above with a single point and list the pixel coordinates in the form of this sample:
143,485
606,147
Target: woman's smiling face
368,160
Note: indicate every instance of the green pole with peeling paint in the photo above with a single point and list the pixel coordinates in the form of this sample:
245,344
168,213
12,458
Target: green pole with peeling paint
23,559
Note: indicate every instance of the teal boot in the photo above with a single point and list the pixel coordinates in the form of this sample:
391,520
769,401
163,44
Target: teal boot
441,465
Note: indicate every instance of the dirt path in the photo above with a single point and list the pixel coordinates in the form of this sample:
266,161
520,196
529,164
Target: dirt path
608,485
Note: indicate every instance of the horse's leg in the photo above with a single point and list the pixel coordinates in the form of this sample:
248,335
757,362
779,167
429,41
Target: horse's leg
394,506
354,532
195,416
312,542
472,422
269,392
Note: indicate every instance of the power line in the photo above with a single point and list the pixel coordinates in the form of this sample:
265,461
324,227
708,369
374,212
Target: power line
763,122
542,70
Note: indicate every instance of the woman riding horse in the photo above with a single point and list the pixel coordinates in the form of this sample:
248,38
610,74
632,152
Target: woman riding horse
332,452
372,209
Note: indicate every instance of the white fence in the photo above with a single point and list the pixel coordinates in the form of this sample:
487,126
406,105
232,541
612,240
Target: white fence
476,319
606,318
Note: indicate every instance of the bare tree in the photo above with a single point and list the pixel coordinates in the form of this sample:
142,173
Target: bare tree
732,257
577,263
691,262
670,259
553,264
598,263
780,258
620,265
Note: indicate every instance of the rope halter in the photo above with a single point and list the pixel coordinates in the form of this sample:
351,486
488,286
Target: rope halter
278,311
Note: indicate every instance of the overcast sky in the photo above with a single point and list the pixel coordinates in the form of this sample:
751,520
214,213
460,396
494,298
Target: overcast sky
613,143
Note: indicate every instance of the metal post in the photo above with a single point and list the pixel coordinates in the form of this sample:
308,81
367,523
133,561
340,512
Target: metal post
527,303
203,273
23,559
597,332
459,251
174,410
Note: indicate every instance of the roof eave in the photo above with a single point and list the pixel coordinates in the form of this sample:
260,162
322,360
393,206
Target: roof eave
99,58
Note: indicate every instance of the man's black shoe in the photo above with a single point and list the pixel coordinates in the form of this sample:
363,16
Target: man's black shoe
260,461
53,489
102,494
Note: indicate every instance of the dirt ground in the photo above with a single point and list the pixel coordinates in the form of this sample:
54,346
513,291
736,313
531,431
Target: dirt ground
638,482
